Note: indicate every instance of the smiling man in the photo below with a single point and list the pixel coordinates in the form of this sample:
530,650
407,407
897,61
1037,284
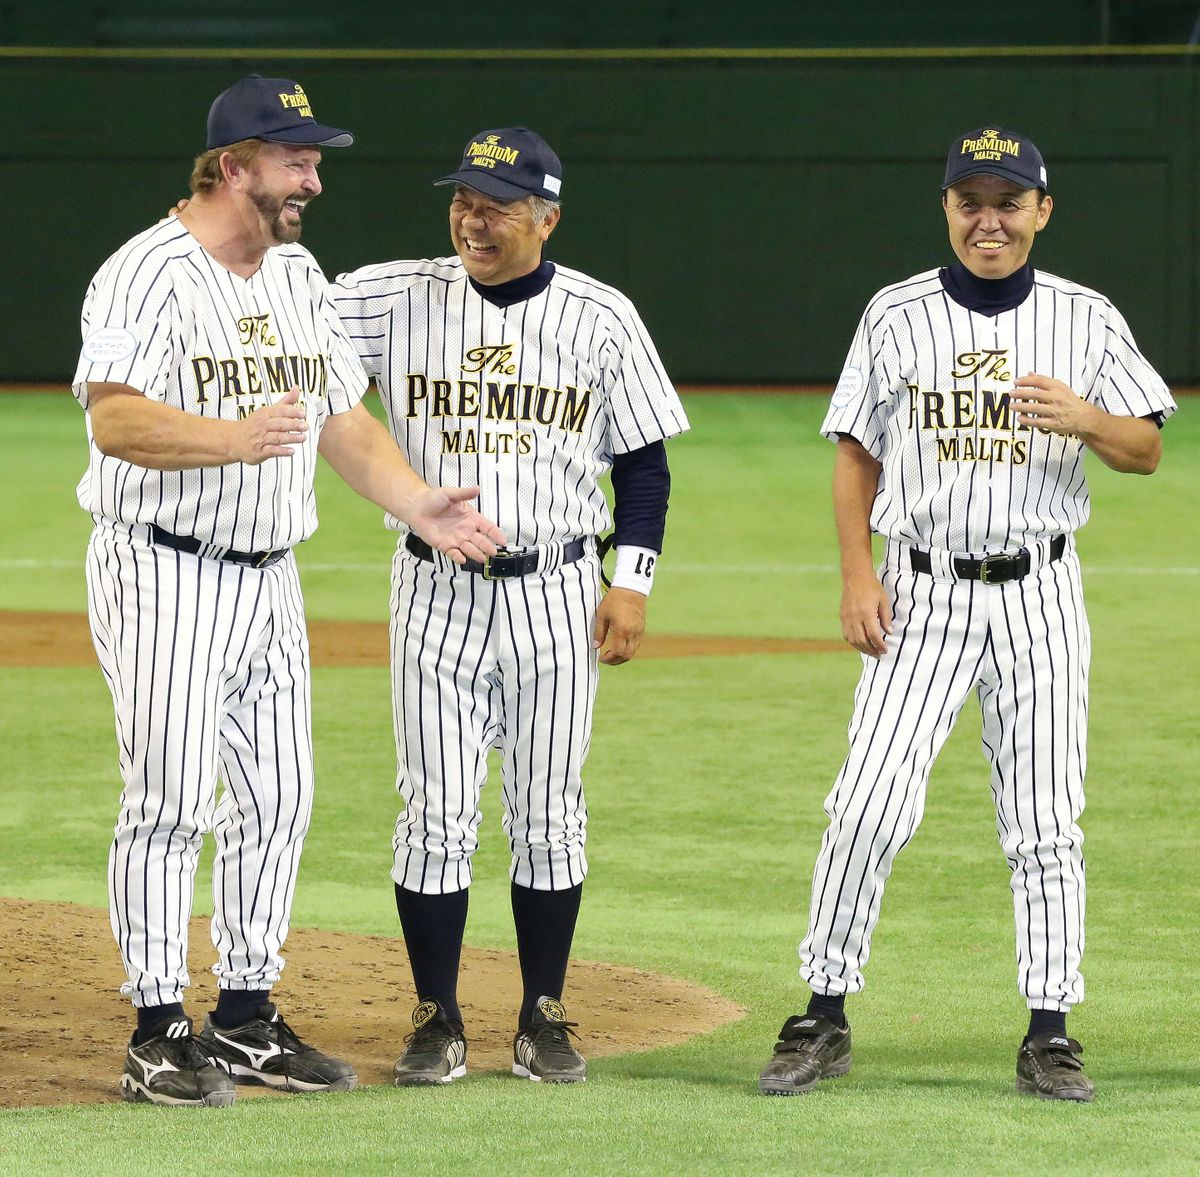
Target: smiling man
961,418
213,371
535,380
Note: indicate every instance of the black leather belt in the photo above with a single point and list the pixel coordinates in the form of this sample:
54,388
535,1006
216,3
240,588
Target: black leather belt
195,547
997,569
504,565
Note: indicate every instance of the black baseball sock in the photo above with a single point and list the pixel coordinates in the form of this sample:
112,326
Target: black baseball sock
831,1006
545,923
1047,1021
154,1018
236,1007
433,928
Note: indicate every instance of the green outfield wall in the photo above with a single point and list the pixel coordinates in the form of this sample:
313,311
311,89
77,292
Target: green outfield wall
749,204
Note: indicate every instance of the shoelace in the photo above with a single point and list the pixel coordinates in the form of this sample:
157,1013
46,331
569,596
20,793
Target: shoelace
289,1040
432,1035
552,1036
192,1054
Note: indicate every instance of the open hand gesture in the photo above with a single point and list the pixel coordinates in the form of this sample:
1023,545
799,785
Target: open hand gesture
442,518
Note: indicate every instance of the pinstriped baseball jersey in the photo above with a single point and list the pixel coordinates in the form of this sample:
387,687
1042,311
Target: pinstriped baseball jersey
925,390
207,661
529,401
163,317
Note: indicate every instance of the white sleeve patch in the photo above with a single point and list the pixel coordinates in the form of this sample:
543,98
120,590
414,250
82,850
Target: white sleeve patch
109,345
848,386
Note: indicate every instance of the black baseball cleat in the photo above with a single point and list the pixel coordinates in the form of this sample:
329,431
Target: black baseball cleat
267,1051
173,1069
436,1049
542,1051
810,1048
1050,1066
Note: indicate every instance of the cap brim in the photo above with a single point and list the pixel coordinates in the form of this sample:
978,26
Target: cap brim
994,170
488,185
310,133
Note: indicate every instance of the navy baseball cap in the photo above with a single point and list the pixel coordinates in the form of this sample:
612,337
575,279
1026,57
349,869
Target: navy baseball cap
989,150
275,109
509,164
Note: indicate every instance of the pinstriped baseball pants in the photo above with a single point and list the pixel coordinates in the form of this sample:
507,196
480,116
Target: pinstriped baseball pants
208,667
1023,648
479,663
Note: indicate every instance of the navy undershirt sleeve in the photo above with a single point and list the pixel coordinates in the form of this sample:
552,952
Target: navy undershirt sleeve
641,485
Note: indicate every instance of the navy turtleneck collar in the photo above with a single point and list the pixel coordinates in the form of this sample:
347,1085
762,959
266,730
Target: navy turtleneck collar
988,296
518,289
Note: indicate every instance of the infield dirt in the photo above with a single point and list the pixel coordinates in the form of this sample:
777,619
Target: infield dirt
63,1029
63,1032
62,639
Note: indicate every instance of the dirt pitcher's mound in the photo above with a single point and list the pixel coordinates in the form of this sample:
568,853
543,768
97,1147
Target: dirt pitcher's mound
64,1026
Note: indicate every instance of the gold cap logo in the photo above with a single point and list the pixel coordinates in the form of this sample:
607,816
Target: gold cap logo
491,152
989,146
297,101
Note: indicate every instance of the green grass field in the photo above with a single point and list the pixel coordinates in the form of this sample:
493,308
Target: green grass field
705,783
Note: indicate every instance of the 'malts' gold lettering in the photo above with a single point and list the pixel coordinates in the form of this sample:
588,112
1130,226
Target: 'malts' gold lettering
487,441
966,447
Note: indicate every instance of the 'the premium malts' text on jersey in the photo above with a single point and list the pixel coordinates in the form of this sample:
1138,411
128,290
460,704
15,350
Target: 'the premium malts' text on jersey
163,317
925,389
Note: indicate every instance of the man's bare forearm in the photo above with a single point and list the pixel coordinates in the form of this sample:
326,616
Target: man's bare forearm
855,484
128,425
